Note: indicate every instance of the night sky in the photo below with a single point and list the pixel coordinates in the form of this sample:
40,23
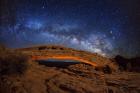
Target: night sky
106,27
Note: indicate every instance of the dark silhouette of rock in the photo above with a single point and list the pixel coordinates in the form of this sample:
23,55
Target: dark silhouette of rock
132,64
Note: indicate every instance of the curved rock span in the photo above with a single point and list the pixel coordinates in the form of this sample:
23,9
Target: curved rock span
63,53
64,58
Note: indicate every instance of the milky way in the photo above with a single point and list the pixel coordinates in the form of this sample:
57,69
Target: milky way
106,27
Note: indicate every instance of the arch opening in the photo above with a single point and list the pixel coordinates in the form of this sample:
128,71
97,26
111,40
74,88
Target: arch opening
63,59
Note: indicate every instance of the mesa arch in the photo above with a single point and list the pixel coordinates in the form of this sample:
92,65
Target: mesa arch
64,58
63,53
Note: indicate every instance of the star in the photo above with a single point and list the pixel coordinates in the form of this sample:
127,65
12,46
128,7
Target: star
43,7
90,25
111,32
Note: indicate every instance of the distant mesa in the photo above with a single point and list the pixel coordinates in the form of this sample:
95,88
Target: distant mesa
126,64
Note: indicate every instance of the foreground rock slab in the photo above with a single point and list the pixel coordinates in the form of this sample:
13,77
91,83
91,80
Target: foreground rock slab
79,78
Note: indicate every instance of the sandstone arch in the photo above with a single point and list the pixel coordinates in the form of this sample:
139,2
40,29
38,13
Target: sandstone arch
64,58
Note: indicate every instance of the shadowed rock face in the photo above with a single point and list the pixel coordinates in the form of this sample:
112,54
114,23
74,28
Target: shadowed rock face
132,64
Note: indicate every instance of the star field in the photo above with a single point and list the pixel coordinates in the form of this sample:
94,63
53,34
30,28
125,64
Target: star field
106,27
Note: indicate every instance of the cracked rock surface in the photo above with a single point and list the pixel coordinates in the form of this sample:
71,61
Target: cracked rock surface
78,78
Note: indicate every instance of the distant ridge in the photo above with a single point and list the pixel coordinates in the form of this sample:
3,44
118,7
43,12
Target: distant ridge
129,64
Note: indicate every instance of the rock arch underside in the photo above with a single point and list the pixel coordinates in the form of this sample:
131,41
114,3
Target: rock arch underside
63,53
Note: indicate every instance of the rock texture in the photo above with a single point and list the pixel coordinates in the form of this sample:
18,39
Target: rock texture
74,78
79,78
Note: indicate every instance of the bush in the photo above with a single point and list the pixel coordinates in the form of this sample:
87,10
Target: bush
12,62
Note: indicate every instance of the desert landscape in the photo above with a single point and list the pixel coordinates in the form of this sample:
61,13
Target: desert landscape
69,46
25,71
